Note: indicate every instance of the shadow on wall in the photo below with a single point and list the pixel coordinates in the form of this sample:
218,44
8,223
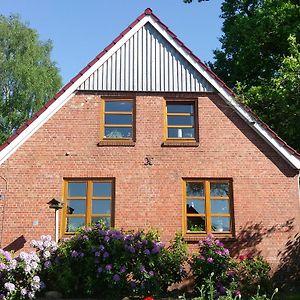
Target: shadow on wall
287,274
287,277
251,235
16,245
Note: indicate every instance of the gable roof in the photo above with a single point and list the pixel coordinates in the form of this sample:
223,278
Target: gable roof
147,62
82,82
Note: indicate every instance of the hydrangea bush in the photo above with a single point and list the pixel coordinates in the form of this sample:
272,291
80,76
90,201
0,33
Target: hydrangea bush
19,275
100,262
110,264
213,263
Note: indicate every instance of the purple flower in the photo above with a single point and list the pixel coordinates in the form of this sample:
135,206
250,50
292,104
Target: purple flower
116,278
9,286
2,266
222,289
97,254
219,252
226,252
131,249
147,252
210,260
151,273
238,293
108,267
210,236
142,269
105,255
106,238
23,292
101,247
218,243
99,270
123,269
85,237
74,253
145,242
155,249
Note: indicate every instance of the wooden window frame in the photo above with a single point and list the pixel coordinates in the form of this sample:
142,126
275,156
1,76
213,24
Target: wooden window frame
183,141
89,198
207,204
103,113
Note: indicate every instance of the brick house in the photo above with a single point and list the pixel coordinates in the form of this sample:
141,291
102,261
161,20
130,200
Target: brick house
147,136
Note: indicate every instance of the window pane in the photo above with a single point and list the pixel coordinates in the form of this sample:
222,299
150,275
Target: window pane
117,132
106,220
219,206
101,207
118,106
181,133
195,189
118,119
102,189
74,223
196,224
195,207
77,189
220,224
180,108
219,189
76,207
180,120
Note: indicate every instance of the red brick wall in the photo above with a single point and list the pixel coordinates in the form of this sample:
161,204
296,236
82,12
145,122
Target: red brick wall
264,186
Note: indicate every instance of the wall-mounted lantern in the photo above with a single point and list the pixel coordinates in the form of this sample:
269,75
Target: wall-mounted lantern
55,204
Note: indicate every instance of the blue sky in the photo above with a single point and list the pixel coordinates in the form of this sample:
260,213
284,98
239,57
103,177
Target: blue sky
81,29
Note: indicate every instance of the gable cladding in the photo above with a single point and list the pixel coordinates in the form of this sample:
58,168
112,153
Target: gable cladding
147,62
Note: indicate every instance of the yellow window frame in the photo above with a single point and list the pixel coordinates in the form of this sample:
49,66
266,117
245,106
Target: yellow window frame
194,102
104,113
207,207
88,202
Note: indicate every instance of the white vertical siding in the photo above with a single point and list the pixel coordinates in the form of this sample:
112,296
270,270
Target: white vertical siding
147,62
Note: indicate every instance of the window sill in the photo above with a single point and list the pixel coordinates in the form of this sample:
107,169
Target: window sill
196,238
171,143
112,143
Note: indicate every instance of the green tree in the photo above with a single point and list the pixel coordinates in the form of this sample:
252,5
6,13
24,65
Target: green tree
258,59
255,39
28,77
278,100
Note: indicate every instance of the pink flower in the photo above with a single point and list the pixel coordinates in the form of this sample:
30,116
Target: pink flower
210,260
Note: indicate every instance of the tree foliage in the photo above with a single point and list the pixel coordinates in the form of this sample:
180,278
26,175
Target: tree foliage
259,58
255,39
278,100
28,77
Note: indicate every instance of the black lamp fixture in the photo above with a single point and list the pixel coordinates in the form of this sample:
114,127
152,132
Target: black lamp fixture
55,204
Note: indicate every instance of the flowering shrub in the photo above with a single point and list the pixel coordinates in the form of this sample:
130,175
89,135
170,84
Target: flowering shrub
102,262
19,275
253,272
213,263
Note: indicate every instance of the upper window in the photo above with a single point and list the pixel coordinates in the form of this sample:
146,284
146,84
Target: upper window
87,202
180,120
117,123
208,206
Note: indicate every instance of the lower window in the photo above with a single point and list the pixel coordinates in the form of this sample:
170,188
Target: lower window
208,206
87,202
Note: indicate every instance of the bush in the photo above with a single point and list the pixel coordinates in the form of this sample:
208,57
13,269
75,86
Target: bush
19,277
214,264
253,272
102,262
